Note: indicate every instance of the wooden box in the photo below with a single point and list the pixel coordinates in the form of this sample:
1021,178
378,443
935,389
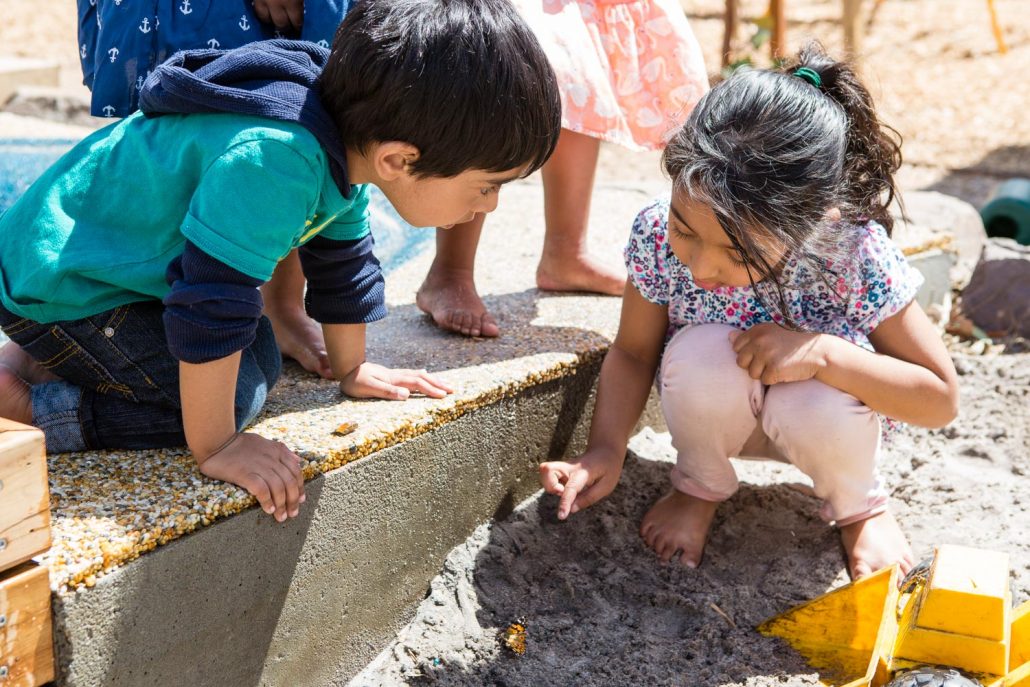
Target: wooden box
24,497
26,637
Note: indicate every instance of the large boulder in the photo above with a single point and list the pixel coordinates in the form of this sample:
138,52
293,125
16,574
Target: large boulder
934,220
997,298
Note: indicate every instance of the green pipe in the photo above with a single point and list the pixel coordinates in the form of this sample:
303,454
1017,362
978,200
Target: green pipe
1007,213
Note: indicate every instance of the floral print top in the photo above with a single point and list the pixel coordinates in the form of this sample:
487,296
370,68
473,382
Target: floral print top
872,287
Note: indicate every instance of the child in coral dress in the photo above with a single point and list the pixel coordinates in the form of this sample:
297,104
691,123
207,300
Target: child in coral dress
121,43
630,72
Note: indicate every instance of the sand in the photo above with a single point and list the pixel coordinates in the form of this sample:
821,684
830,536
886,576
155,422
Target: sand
601,610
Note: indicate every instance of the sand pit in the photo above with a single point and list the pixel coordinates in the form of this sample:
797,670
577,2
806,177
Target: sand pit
600,609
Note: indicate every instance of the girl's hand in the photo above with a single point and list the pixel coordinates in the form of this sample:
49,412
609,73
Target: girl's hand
265,468
283,14
369,380
775,355
582,483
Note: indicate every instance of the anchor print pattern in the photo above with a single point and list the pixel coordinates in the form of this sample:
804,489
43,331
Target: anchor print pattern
122,41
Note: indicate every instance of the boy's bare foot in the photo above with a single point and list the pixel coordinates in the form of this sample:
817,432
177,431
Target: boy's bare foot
15,396
24,365
299,337
581,274
874,544
678,522
450,298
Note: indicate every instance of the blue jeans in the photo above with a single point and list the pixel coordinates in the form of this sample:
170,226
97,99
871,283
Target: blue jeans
119,383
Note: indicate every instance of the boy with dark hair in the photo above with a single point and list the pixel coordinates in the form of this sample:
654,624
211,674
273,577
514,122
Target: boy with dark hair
129,271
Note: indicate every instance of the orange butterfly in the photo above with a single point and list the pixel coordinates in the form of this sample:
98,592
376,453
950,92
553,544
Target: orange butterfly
514,637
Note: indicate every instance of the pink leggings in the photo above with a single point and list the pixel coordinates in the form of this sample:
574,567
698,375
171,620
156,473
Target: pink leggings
715,410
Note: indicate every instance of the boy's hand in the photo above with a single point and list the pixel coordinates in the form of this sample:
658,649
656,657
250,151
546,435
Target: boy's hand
265,468
582,483
775,355
369,380
283,14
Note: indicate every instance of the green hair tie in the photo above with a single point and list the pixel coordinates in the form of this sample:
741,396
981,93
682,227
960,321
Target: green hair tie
809,75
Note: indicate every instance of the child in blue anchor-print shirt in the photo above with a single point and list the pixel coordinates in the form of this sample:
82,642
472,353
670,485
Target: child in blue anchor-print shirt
121,41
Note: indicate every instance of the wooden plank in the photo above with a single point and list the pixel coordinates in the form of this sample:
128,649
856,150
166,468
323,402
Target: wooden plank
778,44
729,32
24,498
26,636
999,35
854,27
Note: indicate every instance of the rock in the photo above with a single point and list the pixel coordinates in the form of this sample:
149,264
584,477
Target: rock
930,219
997,298
934,296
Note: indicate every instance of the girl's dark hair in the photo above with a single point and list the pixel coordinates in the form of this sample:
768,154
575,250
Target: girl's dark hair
464,81
771,153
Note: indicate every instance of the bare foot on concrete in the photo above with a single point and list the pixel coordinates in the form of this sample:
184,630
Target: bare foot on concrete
583,273
24,365
15,396
678,522
451,299
299,337
874,544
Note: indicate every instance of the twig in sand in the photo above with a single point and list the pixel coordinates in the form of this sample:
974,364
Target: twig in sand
722,613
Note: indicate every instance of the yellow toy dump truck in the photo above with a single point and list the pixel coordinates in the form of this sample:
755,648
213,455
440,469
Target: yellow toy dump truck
949,623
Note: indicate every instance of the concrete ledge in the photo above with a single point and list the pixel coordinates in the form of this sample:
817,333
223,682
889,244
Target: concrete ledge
22,71
65,105
109,507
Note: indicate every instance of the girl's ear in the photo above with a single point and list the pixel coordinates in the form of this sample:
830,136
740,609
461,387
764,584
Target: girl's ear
833,214
393,159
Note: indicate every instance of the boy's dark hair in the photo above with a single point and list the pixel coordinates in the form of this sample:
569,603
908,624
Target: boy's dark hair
771,152
464,81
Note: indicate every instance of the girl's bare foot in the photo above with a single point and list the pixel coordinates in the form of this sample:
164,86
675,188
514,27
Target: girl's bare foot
24,365
874,544
582,273
451,299
15,397
678,522
299,337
